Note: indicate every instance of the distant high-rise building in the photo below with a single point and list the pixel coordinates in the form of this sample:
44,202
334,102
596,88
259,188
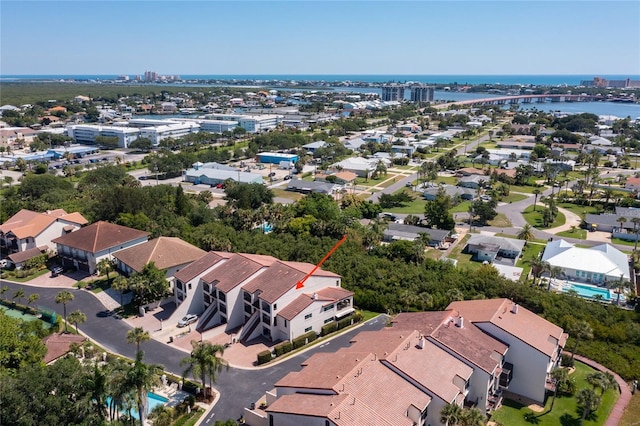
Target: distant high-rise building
421,93
150,76
393,92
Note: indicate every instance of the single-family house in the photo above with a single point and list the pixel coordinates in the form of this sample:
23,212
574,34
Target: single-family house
307,187
167,253
314,146
488,248
431,193
28,229
472,181
535,344
84,248
633,184
398,231
599,264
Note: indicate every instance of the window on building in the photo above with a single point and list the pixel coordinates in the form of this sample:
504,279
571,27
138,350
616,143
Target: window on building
275,321
308,316
275,306
286,323
222,296
327,308
328,320
308,329
189,286
266,307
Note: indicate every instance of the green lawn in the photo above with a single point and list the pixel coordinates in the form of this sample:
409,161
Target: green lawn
623,242
500,221
565,410
632,412
578,209
531,251
534,218
513,198
526,189
289,195
463,207
449,180
414,207
578,233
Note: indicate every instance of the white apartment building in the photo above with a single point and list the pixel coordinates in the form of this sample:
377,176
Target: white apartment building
259,294
87,133
217,126
175,131
251,123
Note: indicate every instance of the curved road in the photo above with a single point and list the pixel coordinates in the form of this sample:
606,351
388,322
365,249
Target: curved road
238,387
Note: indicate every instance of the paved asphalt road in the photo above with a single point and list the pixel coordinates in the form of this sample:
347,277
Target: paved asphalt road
238,388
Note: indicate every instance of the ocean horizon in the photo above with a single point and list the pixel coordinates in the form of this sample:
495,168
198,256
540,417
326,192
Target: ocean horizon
461,79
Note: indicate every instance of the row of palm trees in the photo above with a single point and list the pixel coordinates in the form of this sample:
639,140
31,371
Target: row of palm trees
454,415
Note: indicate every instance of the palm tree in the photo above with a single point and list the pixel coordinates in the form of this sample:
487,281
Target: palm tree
473,417
97,385
118,388
105,266
589,401
120,284
64,297
526,233
161,415
32,298
635,221
580,330
142,378
137,336
77,317
19,294
451,414
622,221
538,266
3,290
204,360
601,380
619,287
535,192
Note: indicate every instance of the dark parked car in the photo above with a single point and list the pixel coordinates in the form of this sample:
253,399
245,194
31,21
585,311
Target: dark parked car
105,313
56,271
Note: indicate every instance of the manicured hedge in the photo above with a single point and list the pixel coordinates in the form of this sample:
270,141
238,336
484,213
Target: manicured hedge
264,357
329,328
283,348
300,341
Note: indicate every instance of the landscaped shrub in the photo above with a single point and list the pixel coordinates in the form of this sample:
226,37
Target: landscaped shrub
190,387
345,322
264,357
300,341
329,328
283,348
566,361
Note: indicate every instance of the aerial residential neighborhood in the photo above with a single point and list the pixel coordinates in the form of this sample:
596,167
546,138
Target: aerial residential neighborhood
312,213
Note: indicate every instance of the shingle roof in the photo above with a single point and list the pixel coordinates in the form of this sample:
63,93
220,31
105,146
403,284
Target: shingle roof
409,231
165,252
25,255
100,236
526,326
198,267
503,243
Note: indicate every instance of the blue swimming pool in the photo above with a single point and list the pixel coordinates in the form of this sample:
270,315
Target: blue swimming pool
153,400
588,291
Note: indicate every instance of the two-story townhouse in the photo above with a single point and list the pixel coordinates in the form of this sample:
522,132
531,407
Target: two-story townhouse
466,342
28,229
535,344
167,253
84,248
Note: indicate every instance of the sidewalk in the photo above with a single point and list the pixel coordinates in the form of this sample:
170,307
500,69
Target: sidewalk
572,219
625,393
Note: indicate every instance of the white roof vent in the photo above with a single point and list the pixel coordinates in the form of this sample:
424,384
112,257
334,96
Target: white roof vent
460,322
514,309
315,296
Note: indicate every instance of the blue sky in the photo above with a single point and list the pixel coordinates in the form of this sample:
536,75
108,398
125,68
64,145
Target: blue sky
320,37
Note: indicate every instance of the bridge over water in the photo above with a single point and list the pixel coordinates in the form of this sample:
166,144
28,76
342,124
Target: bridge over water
525,99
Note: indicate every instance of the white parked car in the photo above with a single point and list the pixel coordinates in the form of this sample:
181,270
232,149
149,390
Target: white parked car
187,319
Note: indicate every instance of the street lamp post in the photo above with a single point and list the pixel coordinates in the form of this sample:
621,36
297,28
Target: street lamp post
155,169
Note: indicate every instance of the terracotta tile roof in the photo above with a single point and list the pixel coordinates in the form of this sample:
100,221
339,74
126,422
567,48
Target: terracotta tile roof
346,176
334,293
324,370
74,217
58,345
530,328
308,267
27,223
359,376
274,281
165,252
198,266
100,236
306,404
469,342
430,366
233,272
25,255
294,308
